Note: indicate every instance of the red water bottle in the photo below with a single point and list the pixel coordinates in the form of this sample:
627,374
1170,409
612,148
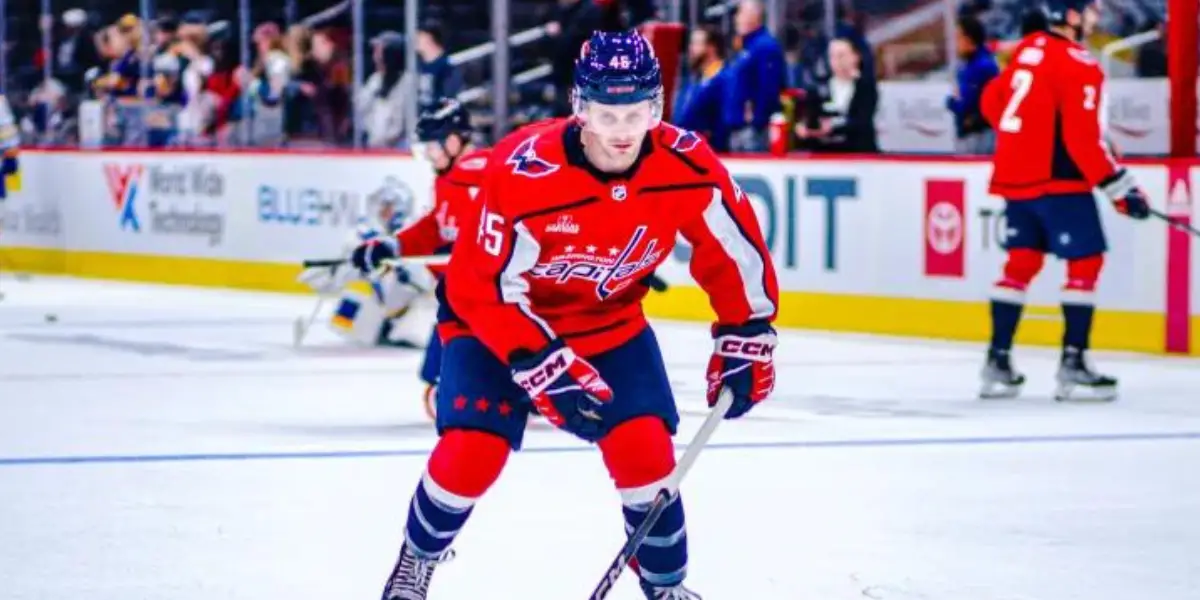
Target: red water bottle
777,134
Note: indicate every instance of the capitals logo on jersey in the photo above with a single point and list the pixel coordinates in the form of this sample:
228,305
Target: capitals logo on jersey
612,269
525,161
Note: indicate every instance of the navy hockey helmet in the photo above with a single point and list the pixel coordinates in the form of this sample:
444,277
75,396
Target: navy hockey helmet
618,68
1056,10
448,116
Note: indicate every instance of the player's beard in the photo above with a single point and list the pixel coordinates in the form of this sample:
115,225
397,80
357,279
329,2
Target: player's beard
610,160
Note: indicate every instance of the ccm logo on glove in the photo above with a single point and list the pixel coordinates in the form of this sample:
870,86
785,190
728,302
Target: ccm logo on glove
535,380
759,348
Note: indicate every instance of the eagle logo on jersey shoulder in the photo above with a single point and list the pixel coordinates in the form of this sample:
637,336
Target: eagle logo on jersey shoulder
525,161
685,141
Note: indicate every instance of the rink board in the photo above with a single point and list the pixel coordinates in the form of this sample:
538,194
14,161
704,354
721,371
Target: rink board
880,245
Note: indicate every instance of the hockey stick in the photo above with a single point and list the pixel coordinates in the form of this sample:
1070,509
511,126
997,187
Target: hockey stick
663,499
1180,225
654,282
300,327
324,262
433,259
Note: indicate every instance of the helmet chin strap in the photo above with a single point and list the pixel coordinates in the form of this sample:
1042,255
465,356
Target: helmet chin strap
450,158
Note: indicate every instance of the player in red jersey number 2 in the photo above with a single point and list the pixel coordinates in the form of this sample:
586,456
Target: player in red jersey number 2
1046,108
544,310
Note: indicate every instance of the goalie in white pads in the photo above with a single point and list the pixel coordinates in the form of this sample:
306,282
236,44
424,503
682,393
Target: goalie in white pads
395,308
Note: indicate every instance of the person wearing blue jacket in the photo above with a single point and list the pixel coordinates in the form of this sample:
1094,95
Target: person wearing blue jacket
977,68
700,99
755,80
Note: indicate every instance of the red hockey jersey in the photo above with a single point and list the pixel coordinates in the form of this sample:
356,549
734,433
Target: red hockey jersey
453,194
1046,110
560,248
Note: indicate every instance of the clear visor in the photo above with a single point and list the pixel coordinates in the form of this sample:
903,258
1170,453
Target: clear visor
610,120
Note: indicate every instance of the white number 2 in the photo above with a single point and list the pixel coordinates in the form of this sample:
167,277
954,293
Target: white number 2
1089,97
490,237
1022,81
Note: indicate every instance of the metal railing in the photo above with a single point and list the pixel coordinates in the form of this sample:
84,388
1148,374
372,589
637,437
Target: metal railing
1108,52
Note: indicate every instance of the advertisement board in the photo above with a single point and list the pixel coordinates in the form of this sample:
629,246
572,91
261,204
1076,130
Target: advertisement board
912,116
900,246
913,247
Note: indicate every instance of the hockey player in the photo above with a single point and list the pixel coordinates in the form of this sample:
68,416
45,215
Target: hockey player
544,308
445,136
1046,108
9,141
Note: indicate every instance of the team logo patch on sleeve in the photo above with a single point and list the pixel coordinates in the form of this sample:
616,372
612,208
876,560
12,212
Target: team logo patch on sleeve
685,141
525,161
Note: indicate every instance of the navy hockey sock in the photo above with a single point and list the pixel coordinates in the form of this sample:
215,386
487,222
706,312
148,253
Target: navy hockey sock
1078,330
662,559
434,518
1005,317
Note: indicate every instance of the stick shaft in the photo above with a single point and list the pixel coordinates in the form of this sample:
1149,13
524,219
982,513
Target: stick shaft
663,499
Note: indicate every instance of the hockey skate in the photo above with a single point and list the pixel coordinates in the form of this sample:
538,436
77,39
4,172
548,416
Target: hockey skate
675,592
1078,382
999,378
412,574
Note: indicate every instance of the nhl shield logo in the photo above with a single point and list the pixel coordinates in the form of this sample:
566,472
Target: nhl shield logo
619,192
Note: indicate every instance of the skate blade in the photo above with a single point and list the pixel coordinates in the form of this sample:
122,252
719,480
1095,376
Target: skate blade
1085,395
999,391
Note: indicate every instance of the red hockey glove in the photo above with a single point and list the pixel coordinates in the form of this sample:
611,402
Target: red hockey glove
1126,196
744,362
565,389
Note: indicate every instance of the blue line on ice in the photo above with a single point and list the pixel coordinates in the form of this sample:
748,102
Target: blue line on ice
410,452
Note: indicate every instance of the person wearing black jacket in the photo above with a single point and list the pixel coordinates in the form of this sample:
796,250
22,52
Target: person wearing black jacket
572,24
437,77
840,112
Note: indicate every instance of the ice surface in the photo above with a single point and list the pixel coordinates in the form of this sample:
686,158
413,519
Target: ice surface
168,443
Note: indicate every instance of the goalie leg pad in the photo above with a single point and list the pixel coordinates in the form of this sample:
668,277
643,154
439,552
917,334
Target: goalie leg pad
640,457
464,464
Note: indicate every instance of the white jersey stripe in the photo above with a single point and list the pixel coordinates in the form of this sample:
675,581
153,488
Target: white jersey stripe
514,288
744,255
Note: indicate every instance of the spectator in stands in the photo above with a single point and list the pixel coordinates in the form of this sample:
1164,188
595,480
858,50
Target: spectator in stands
840,115
699,100
45,113
74,51
331,101
300,115
122,44
438,78
195,67
223,92
976,68
267,83
382,102
573,22
756,79
167,67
